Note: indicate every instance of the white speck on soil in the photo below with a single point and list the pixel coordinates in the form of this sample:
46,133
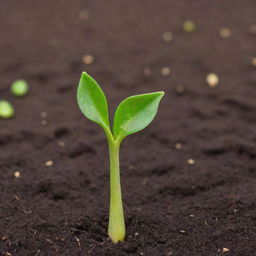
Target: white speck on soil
49,163
165,71
225,32
17,175
212,79
167,36
191,161
225,250
88,59
178,145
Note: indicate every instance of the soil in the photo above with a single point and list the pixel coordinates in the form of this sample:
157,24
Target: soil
193,198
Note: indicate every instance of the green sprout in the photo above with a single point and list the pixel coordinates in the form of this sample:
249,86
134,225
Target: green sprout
6,109
132,115
19,88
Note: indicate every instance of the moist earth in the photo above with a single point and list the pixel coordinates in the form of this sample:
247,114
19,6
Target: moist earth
188,180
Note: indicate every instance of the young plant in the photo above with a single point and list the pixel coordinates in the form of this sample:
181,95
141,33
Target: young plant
132,115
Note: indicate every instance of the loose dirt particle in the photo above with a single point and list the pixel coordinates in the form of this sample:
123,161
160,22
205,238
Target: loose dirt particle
253,61
180,89
49,241
178,145
213,80
83,15
225,250
182,231
16,197
165,71
62,144
253,29
146,71
225,33
3,238
191,161
17,174
44,122
78,241
49,163
167,36
43,114
88,59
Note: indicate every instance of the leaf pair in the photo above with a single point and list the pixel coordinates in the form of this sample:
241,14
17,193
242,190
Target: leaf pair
132,115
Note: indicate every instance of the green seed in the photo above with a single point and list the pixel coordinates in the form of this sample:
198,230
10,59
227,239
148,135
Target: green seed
189,26
6,109
19,88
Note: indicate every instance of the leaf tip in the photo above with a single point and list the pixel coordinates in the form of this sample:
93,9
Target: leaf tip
84,74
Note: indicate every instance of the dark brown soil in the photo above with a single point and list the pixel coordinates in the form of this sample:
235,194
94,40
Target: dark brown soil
172,208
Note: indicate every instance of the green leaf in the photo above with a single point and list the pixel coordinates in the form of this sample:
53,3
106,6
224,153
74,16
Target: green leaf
92,101
135,113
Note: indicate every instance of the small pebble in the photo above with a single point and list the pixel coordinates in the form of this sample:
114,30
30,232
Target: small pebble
17,174
212,79
189,26
62,144
3,238
180,89
19,88
78,242
88,59
253,61
178,145
16,197
165,71
43,114
253,29
43,122
8,254
191,161
136,234
170,253
83,15
192,215
182,231
49,241
225,32
146,71
144,181
225,250
49,163
167,36
6,109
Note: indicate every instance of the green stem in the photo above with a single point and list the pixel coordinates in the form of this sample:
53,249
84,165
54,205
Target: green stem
116,228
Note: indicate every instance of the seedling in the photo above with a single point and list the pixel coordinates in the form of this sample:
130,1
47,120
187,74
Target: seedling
132,115
6,109
19,88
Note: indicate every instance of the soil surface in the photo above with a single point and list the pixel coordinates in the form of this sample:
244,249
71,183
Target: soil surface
189,179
